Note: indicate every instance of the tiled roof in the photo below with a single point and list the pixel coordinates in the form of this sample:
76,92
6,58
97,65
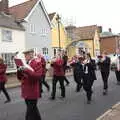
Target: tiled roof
85,32
9,22
21,11
51,15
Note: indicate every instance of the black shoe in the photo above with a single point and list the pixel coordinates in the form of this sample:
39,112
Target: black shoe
78,89
42,91
67,84
89,102
52,98
62,97
118,83
105,92
7,101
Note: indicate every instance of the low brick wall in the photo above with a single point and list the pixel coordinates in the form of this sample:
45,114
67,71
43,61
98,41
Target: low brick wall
14,82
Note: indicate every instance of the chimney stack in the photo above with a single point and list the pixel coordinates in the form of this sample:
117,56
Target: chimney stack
4,6
110,30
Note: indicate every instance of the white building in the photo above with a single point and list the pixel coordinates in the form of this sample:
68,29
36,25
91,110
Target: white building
33,16
12,39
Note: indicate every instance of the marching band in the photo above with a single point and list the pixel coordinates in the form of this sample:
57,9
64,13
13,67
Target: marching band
32,77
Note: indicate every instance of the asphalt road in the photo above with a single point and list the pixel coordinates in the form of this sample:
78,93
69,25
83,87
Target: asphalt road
73,107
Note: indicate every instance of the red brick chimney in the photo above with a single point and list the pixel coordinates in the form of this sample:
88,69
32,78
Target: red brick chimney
4,6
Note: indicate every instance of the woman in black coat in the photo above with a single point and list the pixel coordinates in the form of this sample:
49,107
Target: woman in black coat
78,72
104,65
89,76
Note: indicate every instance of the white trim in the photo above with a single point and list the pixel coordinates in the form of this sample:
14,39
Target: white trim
44,10
42,5
53,17
30,13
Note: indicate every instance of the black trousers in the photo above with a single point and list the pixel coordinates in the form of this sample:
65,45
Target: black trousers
78,80
66,80
105,76
87,86
54,82
117,75
42,81
3,89
32,112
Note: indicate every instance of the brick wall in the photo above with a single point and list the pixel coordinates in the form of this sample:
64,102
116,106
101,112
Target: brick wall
108,44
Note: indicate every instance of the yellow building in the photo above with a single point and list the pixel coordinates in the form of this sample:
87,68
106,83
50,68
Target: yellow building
84,39
59,34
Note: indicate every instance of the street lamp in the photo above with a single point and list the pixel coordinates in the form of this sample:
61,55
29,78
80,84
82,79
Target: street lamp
58,21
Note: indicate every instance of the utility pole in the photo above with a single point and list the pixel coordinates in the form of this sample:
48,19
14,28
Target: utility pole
58,21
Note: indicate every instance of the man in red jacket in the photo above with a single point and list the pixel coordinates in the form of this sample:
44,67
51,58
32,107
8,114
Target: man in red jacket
3,79
58,75
44,70
30,85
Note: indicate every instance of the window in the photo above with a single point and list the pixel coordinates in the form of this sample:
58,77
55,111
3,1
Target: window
32,28
45,51
6,35
44,31
55,51
8,60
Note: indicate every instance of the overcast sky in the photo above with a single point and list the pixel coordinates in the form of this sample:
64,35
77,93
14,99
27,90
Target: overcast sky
85,12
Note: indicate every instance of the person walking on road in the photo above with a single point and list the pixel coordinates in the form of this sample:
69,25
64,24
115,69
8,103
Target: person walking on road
44,70
88,77
117,70
3,79
78,72
29,78
104,64
58,75
65,59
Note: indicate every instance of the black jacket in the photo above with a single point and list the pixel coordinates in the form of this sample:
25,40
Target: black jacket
77,69
91,70
105,65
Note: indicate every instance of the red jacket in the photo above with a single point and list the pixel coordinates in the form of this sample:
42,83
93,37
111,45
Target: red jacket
58,67
30,80
3,77
43,66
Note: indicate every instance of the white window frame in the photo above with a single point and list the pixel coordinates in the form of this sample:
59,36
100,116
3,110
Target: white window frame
32,28
7,57
55,50
43,31
45,51
6,35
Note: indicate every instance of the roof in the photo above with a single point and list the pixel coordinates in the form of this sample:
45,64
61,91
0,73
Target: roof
108,34
51,15
22,10
85,32
8,21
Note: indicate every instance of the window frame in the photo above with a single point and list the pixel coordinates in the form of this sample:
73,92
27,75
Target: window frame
4,37
7,57
45,51
32,28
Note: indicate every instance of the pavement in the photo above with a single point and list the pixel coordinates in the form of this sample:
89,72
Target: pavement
112,113
14,82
